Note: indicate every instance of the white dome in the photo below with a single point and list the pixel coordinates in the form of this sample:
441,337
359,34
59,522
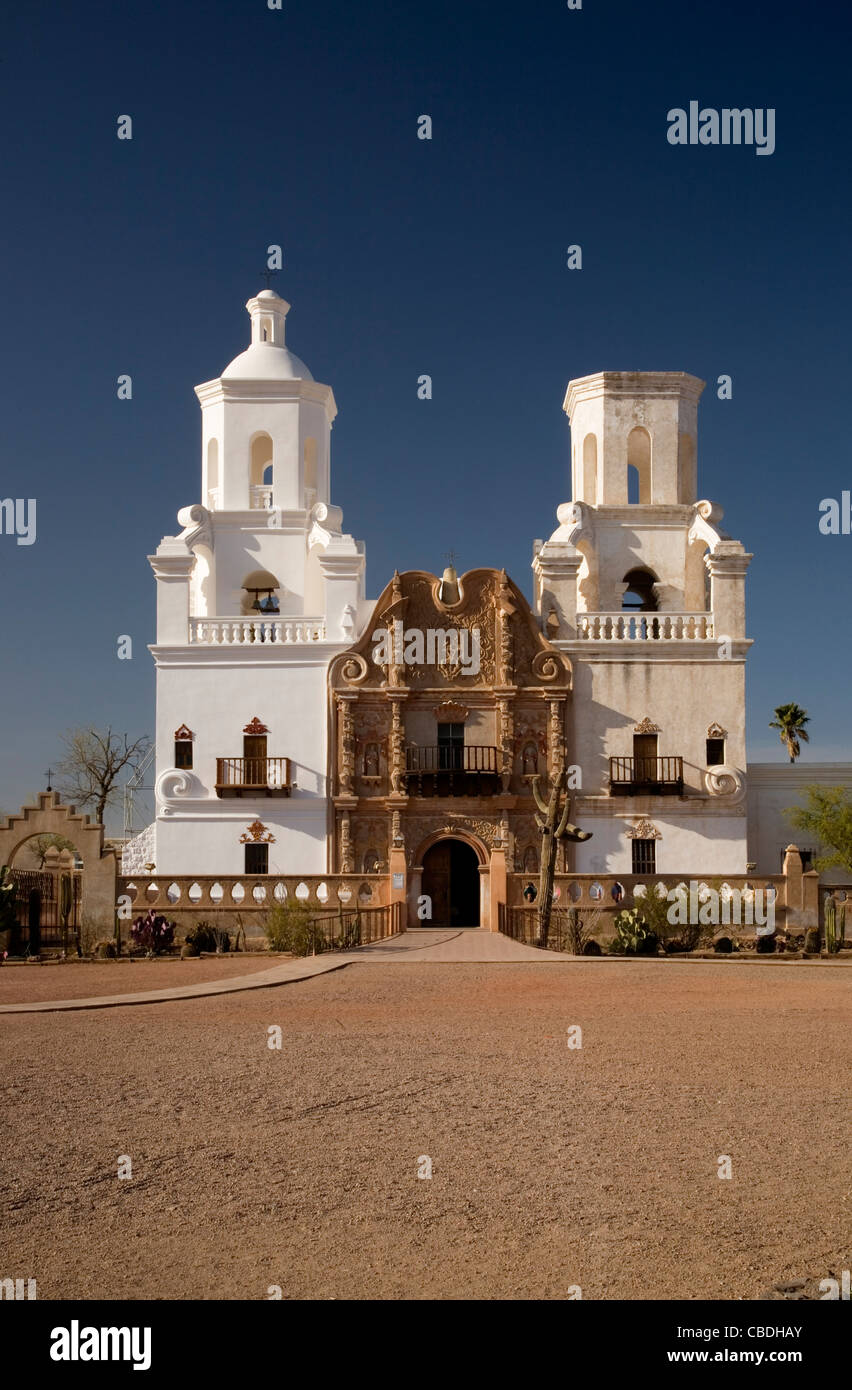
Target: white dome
266,362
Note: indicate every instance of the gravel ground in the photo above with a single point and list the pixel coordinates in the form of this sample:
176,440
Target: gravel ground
552,1167
83,980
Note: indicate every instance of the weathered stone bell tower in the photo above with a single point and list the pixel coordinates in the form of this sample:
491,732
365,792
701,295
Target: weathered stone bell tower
645,592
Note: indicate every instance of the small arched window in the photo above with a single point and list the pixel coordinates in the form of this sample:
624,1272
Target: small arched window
639,596
639,465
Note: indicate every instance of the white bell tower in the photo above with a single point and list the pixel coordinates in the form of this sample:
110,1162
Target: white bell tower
266,424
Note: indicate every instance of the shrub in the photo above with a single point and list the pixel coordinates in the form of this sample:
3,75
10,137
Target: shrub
206,936
591,948
290,927
153,933
188,950
349,932
105,950
723,945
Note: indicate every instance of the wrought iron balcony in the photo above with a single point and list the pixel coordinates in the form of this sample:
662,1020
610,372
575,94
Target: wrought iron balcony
646,776
452,770
252,776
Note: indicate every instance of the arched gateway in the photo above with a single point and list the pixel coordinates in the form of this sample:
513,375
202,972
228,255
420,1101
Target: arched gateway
450,884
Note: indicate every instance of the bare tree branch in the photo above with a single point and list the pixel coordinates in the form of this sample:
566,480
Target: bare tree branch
94,759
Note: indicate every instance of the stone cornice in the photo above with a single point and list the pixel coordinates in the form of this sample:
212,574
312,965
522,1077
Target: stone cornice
247,654
217,391
798,775
636,384
172,567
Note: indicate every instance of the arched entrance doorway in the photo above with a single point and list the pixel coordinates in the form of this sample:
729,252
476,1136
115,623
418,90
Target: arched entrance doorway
451,881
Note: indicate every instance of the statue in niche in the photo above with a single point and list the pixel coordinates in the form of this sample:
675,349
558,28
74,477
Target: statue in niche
530,860
530,760
371,760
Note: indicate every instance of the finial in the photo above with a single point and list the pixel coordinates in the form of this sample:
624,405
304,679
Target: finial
268,274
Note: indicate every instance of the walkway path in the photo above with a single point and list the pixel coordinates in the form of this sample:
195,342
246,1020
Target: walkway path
421,946
424,944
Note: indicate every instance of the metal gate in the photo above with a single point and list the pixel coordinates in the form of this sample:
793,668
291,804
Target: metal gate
38,905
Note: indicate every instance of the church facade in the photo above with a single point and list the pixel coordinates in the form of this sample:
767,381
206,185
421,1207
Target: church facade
303,728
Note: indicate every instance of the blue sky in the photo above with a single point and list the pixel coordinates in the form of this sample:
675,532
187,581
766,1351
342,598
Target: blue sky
404,256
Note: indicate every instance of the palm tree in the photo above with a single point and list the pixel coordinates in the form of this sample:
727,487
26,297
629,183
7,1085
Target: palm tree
790,721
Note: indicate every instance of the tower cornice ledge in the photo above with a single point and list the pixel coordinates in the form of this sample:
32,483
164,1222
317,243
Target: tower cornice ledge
632,384
297,389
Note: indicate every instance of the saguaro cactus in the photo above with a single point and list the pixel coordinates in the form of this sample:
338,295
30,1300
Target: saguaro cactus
65,903
554,826
835,924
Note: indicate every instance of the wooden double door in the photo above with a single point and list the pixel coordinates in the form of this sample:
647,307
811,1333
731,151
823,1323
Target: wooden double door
451,881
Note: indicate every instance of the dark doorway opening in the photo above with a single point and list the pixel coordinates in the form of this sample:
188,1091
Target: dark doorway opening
451,880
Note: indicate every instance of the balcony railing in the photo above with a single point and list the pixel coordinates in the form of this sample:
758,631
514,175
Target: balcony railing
644,627
261,496
452,770
230,632
646,776
252,776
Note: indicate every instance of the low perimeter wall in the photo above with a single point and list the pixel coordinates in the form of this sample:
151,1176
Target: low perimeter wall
244,901
796,894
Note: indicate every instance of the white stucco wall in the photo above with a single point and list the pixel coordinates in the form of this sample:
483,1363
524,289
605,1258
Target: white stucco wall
772,787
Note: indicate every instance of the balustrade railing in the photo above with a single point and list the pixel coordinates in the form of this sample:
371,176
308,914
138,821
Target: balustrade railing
226,632
261,496
641,773
451,758
644,627
253,774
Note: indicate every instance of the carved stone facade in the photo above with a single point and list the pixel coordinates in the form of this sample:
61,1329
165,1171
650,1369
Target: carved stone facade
505,692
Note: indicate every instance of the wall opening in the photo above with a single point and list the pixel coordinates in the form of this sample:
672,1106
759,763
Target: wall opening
639,458
451,881
261,458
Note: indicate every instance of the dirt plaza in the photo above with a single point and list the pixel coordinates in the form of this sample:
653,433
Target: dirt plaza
553,1167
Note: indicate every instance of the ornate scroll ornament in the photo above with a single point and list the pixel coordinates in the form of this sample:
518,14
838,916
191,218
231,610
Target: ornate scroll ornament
705,524
646,726
354,669
716,731
448,712
576,523
173,785
183,733
197,529
397,837
257,834
643,830
484,829
255,727
547,666
725,781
